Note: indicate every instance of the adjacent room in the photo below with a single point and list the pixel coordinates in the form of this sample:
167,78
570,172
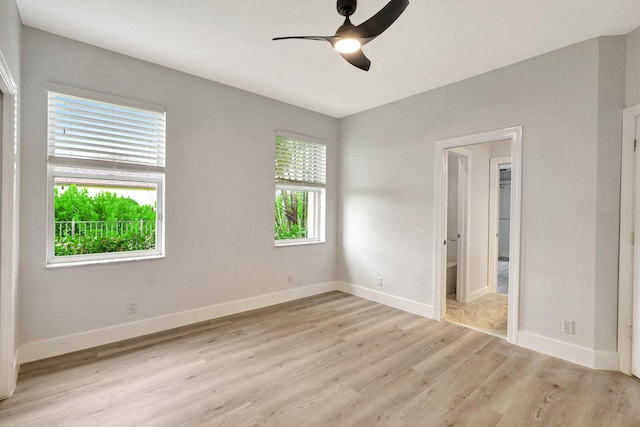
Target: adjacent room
478,202
327,213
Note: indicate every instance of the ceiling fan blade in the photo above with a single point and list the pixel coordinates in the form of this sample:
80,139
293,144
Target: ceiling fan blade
320,38
378,23
357,59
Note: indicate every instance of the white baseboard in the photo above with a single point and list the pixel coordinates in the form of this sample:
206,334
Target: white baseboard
400,303
569,352
607,360
66,344
477,294
8,385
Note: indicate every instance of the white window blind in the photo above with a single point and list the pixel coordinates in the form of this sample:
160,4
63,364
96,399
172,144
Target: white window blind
300,162
81,128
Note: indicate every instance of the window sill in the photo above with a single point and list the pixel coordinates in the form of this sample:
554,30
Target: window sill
294,243
61,264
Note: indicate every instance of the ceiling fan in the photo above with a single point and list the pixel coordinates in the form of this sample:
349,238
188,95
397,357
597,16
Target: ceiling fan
350,38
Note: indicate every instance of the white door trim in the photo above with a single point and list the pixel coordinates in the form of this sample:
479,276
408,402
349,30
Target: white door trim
8,230
439,294
625,276
494,214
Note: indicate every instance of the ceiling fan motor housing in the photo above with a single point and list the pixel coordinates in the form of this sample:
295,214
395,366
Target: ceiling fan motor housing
347,7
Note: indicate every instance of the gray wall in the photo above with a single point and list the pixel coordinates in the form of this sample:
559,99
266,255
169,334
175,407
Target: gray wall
387,185
633,68
611,102
219,196
10,32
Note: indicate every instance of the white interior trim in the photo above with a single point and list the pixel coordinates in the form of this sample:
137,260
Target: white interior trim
404,304
479,293
515,135
625,275
84,340
66,344
570,352
9,230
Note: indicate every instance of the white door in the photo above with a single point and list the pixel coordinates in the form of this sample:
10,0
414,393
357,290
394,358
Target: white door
456,214
463,209
635,339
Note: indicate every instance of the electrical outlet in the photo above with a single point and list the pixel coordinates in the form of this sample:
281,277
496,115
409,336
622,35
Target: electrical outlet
290,279
379,280
132,307
568,326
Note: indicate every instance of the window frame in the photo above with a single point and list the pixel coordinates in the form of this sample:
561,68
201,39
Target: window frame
319,188
158,252
134,173
319,213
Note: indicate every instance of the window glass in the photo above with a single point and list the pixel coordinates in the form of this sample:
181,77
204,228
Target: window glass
96,215
296,214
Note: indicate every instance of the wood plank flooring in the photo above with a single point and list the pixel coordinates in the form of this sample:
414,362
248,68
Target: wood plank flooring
488,313
329,360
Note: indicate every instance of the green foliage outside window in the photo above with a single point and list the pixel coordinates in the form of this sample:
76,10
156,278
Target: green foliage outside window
102,223
291,214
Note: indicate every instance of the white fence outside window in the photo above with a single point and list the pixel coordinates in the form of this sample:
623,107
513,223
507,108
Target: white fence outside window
104,228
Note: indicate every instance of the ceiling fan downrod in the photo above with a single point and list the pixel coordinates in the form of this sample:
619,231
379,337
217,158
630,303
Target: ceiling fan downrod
347,7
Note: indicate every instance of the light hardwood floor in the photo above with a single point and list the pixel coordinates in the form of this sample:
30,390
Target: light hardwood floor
329,360
488,313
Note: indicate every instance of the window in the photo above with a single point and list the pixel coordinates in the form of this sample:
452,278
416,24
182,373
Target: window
300,190
106,181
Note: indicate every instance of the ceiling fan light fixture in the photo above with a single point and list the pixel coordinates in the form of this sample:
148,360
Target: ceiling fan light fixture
347,45
349,38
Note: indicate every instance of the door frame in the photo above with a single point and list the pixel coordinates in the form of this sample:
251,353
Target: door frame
464,201
514,134
625,275
8,230
494,216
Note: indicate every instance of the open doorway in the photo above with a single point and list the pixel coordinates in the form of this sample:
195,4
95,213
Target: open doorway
480,301
487,298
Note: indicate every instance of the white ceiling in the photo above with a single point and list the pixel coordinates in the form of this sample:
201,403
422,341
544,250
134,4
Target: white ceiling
434,43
